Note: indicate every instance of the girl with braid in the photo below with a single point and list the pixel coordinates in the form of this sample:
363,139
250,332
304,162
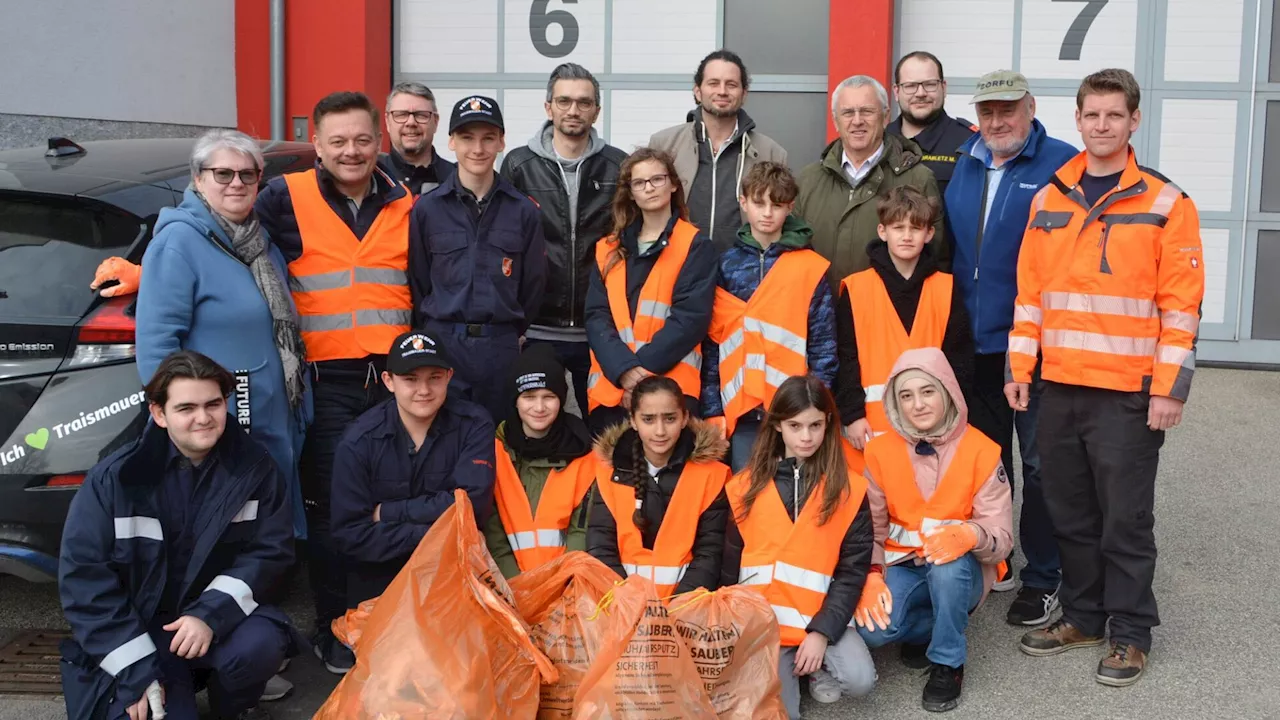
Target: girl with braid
658,508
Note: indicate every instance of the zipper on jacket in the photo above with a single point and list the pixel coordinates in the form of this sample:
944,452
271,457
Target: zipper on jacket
762,266
795,491
982,224
711,227
1104,266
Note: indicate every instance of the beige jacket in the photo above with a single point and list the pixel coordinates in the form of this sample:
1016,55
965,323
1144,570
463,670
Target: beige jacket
681,143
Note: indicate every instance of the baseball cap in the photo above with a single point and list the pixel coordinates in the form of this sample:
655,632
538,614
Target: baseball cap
476,108
1001,85
416,349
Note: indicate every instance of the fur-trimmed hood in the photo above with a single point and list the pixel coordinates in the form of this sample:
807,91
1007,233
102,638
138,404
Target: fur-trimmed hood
700,442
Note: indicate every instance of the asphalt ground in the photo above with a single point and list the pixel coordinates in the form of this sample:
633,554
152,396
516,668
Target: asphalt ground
1215,656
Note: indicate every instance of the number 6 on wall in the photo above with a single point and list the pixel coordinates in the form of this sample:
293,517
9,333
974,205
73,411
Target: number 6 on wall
540,20
1074,39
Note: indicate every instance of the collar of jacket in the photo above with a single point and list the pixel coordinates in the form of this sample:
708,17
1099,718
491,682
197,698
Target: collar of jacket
932,133
391,424
900,155
796,235
385,185
501,434
1069,175
146,463
1038,134
878,254
453,186
404,167
631,237
699,442
694,116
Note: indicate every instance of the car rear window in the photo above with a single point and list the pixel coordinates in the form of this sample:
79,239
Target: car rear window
49,249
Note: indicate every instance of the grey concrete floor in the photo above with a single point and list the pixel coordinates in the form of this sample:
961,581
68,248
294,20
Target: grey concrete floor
1215,656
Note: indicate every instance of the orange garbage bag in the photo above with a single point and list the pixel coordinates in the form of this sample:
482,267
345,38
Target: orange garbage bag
641,670
556,599
732,636
444,641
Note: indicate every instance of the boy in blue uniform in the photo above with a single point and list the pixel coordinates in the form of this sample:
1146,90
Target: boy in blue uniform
397,466
169,552
477,258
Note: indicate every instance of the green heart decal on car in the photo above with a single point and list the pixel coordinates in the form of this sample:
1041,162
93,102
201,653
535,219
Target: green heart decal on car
38,439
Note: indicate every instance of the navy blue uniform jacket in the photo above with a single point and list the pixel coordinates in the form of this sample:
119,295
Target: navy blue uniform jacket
113,565
372,466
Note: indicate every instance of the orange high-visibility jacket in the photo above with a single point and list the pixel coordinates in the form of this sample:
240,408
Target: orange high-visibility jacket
539,537
1110,295
764,341
699,485
793,562
352,295
888,458
651,313
882,339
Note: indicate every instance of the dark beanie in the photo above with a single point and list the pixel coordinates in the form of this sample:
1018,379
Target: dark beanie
538,369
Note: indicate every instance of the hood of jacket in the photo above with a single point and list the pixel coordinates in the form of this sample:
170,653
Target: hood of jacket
900,155
699,442
932,361
796,235
192,212
541,145
878,254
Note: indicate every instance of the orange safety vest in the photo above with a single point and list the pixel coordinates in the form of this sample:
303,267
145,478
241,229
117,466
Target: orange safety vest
651,313
764,340
793,562
539,538
888,459
352,295
699,485
881,337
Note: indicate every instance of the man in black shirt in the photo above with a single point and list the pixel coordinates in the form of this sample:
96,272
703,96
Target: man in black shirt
412,120
921,89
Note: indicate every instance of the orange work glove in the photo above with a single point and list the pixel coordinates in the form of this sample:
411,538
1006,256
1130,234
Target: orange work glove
876,604
946,543
121,270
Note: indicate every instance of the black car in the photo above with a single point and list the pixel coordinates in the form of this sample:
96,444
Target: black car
69,389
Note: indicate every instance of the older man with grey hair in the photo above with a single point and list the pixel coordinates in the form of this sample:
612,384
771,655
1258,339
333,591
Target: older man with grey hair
571,173
412,118
838,193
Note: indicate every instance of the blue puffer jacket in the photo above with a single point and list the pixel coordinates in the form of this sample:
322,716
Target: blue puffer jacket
985,263
196,295
742,269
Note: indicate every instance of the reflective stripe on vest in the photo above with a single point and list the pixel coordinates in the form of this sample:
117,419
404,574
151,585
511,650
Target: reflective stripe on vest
764,340
652,310
699,485
793,562
352,294
539,537
881,337
531,539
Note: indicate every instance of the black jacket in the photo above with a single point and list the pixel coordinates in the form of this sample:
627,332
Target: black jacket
420,179
698,443
851,569
570,249
957,339
941,142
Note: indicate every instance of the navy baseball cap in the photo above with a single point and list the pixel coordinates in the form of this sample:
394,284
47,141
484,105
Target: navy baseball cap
476,108
416,349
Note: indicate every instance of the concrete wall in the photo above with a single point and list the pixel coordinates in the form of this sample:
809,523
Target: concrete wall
151,61
17,131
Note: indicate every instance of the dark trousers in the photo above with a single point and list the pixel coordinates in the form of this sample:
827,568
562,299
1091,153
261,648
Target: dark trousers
341,395
235,670
989,411
482,364
576,358
1100,461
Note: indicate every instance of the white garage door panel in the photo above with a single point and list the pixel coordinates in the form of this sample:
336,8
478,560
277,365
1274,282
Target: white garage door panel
1217,244
1201,163
447,36
957,106
446,98
663,36
1110,40
638,114
1058,115
1202,40
970,38
541,35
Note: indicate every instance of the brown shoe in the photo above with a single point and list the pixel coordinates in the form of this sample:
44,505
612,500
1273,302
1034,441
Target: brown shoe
1121,667
1059,637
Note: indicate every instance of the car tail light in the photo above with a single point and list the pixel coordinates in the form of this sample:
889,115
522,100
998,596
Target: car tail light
107,335
65,481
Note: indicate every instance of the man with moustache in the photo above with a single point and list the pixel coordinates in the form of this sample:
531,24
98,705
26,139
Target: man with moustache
921,89
412,119
998,173
716,146
571,173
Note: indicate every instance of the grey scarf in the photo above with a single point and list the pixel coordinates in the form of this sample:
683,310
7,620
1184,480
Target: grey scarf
248,244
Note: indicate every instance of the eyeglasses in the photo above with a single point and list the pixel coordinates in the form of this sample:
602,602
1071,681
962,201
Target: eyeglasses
224,176
910,88
564,103
657,182
865,112
400,117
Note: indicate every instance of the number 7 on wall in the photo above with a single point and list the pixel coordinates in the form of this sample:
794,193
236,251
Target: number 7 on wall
1074,40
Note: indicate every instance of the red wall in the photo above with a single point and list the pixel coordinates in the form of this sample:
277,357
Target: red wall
860,42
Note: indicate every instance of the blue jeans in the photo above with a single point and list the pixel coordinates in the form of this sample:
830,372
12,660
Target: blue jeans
744,437
931,604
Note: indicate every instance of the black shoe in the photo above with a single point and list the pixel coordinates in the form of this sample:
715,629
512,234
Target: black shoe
913,656
337,658
254,713
1033,606
942,692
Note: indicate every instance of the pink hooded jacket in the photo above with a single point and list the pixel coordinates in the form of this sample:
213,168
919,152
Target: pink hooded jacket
992,506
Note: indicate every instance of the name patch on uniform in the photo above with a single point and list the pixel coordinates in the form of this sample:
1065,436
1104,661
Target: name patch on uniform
243,415
939,158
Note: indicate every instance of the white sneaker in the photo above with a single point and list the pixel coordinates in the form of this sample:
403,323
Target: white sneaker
277,689
1006,583
823,686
